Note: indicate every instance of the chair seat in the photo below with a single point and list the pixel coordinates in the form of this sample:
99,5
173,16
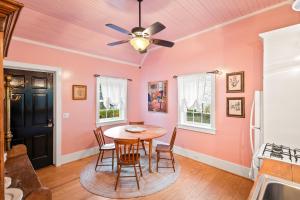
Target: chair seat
163,147
124,158
110,146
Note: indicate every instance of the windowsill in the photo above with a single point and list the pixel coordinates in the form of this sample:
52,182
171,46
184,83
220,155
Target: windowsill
111,122
197,128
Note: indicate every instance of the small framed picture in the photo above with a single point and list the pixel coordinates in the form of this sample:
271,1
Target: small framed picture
235,107
235,82
79,92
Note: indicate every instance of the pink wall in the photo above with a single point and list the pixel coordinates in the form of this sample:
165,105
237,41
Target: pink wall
235,47
232,48
76,69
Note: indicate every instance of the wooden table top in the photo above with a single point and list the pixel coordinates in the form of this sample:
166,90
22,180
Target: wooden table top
119,132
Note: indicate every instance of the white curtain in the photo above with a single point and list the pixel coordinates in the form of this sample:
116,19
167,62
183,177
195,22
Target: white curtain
114,91
193,90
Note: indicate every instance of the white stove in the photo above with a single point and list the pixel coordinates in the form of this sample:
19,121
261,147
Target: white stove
280,153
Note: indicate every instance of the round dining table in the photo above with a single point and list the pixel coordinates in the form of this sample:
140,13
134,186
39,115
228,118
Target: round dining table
150,132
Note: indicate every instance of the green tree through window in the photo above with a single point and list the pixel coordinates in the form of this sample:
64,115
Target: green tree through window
107,113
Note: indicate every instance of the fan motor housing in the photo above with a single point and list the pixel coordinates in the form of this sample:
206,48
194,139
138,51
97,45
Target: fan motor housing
138,31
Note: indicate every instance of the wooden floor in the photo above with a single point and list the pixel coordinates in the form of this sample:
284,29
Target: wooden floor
196,181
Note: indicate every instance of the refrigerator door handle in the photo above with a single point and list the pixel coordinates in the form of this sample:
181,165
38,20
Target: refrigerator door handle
255,127
251,126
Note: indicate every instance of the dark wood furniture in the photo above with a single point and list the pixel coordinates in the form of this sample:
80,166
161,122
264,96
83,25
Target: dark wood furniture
128,155
103,147
19,168
142,141
9,13
164,148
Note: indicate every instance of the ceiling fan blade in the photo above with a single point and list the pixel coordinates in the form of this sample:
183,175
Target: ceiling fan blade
117,43
154,28
117,28
164,43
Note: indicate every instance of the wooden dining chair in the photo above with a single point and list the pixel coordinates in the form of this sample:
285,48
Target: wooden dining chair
128,155
103,147
142,141
166,148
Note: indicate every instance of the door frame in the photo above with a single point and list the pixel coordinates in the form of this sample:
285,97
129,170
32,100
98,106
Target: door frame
57,100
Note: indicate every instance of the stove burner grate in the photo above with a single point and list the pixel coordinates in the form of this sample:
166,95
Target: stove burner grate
277,148
278,151
276,155
297,154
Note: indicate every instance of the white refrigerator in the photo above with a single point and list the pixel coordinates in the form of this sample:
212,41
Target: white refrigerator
275,115
281,86
256,133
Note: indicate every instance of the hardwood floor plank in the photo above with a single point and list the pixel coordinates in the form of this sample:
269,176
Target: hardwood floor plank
196,181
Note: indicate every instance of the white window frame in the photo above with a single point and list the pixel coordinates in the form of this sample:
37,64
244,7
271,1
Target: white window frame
201,128
109,121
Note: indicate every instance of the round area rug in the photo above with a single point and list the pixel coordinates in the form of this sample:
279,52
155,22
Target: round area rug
102,182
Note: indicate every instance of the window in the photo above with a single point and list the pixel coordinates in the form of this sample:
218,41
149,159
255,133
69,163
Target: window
196,102
111,100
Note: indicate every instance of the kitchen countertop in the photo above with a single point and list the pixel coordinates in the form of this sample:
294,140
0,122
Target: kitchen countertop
278,169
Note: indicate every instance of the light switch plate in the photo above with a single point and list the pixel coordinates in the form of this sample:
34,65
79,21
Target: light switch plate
66,115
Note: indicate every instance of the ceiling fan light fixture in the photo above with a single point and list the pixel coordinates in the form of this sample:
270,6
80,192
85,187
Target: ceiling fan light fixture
139,43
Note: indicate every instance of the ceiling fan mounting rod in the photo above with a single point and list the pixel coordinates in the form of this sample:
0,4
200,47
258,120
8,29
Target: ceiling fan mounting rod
140,13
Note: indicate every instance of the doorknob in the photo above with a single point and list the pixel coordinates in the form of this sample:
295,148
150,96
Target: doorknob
50,123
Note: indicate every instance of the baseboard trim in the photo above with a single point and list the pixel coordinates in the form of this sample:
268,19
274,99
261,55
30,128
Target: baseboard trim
200,157
79,155
210,160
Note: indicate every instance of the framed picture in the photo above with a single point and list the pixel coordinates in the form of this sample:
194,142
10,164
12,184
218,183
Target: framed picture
79,92
158,96
235,82
235,107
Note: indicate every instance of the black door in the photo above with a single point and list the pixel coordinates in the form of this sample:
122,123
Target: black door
32,114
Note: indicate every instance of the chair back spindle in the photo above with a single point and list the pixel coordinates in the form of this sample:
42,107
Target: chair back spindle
128,155
99,136
173,138
127,150
165,148
142,141
103,147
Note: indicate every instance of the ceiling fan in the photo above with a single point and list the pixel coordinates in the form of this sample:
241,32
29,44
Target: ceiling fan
141,37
